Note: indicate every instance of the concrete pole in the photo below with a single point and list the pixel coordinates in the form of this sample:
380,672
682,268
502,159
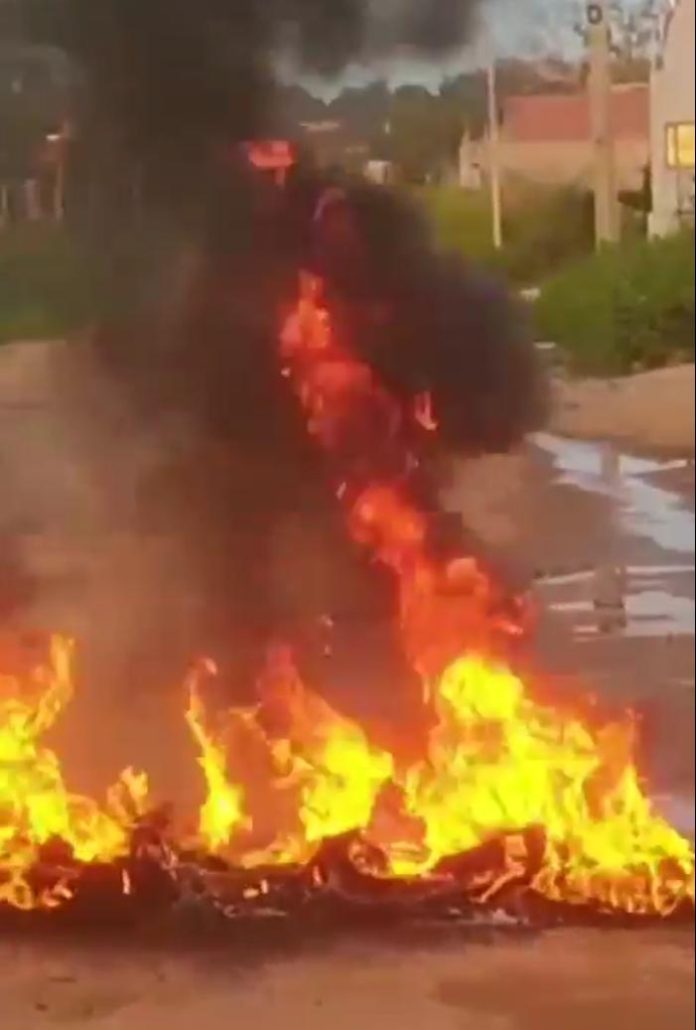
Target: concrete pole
609,592
494,152
607,227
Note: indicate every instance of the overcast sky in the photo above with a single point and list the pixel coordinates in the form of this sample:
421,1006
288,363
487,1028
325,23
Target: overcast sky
525,27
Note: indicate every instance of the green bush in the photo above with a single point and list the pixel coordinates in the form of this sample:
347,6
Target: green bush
628,307
44,282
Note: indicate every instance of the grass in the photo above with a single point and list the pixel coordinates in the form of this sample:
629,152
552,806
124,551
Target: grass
542,229
461,220
44,283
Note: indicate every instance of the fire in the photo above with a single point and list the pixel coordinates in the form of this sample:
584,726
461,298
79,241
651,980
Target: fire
510,763
222,812
289,774
318,762
36,807
496,760
328,758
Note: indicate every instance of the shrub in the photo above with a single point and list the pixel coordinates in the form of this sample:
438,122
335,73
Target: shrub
544,229
45,286
626,308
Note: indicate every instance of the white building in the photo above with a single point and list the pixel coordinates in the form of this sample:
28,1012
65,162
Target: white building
672,121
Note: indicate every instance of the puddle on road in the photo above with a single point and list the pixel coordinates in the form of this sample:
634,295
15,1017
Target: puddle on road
638,600
643,509
647,572
642,600
654,613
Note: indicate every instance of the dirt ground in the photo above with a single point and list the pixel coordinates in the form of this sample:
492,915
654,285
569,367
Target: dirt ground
605,541
651,410
577,980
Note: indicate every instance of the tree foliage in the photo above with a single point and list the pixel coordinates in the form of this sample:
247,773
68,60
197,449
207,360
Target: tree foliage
633,29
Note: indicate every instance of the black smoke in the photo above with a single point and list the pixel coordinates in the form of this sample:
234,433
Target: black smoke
175,74
194,257
430,322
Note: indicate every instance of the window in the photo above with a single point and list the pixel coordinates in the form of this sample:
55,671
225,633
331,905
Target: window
679,145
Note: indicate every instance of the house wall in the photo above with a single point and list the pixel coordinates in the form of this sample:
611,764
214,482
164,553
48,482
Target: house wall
561,163
672,101
567,162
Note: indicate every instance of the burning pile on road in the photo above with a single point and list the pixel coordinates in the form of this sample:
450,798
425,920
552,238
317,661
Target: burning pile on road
511,803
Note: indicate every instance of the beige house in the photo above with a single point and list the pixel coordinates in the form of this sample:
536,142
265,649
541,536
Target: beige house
547,138
672,122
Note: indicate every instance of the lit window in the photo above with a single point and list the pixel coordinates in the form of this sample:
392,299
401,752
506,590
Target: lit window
680,145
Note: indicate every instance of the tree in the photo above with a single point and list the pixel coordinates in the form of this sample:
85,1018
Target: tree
424,132
633,26
466,98
362,110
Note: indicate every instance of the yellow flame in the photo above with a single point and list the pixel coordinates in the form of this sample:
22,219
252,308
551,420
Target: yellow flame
496,762
324,763
35,804
338,771
223,812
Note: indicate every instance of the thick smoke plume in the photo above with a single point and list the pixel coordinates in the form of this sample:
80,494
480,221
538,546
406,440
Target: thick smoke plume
174,73
197,257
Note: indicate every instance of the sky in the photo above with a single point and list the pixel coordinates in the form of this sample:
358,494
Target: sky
524,27
527,28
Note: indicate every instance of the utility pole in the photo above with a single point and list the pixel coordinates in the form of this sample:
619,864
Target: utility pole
607,227
494,150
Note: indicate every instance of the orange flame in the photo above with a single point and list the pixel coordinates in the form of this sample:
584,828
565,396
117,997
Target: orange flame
222,813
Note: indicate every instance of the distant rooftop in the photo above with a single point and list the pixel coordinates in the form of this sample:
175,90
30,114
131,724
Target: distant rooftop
543,118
